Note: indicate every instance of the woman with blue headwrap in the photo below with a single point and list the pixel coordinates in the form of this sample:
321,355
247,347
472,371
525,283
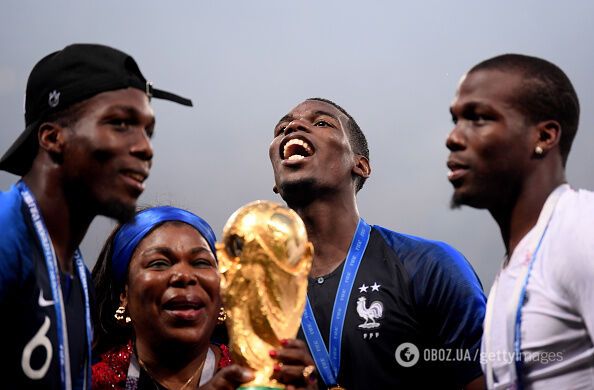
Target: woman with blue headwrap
157,289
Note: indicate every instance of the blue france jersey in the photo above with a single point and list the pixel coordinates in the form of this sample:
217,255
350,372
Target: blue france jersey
407,290
29,329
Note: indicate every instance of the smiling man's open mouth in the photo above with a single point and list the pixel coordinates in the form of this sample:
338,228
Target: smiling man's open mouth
138,176
296,149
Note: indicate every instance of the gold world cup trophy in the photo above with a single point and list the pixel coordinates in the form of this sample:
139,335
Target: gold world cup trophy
264,259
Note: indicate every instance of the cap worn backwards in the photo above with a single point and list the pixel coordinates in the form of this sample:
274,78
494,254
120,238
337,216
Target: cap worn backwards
71,75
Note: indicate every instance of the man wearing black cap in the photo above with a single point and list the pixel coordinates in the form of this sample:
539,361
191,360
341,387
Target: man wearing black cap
85,151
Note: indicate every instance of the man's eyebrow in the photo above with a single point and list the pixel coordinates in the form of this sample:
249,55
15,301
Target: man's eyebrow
289,117
285,118
129,111
466,107
326,113
473,105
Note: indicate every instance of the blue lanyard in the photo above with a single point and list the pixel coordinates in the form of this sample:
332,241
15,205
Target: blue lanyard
518,325
54,279
514,312
328,364
548,210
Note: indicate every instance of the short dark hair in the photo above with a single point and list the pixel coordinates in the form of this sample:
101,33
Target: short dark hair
356,138
65,118
68,116
546,93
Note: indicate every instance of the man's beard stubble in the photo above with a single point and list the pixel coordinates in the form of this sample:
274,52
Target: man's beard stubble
456,202
298,193
80,198
119,211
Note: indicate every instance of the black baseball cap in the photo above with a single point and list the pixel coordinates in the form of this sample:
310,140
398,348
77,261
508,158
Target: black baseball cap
68,76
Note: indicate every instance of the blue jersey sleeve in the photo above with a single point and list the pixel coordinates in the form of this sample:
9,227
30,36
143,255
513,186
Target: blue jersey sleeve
9,272
449,298
14,244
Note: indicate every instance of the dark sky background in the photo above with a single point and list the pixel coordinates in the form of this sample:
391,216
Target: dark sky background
394,65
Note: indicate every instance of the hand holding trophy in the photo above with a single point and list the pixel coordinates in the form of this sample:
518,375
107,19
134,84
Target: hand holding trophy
264,259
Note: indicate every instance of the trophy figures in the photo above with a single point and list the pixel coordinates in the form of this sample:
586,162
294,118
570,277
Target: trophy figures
264,259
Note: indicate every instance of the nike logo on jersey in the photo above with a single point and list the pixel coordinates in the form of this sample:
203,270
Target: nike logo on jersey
42,302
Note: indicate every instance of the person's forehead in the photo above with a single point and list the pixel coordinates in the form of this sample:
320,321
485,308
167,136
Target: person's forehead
311,107
129,96
489,84
178,229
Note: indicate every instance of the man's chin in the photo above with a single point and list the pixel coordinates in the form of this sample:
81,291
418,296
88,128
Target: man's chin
120,211
455,203
458,200
298,192
296,186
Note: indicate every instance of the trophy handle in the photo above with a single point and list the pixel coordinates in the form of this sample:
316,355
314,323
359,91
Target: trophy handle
225,262
305,263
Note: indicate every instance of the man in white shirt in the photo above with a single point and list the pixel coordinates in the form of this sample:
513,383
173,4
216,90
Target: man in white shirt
515,118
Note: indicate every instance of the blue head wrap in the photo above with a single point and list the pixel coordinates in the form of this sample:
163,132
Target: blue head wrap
131,233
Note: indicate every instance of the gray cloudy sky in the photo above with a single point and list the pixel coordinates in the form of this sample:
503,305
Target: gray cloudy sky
394,65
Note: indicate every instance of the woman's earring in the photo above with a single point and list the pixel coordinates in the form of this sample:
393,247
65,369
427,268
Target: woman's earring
121,316
538,150
222,315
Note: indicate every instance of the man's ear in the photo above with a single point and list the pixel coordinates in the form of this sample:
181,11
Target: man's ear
51,138
361,167
548,135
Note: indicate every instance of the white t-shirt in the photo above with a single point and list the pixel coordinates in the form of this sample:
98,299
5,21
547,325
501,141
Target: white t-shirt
557,324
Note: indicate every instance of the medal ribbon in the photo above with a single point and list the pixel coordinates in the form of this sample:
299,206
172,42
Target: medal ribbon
328,364
54,279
